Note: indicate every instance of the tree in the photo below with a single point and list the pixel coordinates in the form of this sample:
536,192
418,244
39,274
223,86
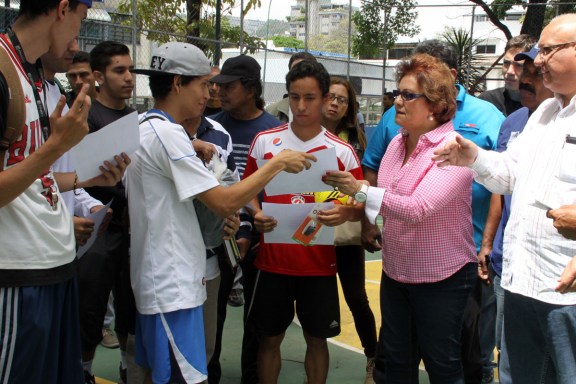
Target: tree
275,28
400,19
287,41
469,73
163,21
538,13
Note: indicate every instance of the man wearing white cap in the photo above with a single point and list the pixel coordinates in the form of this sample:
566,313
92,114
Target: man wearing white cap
168,253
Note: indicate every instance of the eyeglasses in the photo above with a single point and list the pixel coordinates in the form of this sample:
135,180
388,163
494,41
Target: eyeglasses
409,96
545,51
339,99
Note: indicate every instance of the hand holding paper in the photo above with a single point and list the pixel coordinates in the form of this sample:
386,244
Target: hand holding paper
342,181
292,217
294,162
564,220
111,174
121,136
97,217
263,223
309,180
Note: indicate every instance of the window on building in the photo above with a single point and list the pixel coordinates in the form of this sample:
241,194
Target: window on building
489,48
515,16
398,53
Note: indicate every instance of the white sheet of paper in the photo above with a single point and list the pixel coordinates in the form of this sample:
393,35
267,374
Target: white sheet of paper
309,180
123,135
98,217
289,217
541,205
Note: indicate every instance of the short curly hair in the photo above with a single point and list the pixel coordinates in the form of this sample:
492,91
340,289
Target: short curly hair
436,81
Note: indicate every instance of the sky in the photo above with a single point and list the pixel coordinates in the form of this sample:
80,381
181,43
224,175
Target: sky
280,9
432,18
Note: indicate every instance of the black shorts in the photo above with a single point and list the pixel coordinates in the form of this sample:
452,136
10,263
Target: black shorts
315,299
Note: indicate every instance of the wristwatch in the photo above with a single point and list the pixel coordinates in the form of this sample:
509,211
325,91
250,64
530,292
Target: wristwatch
360,195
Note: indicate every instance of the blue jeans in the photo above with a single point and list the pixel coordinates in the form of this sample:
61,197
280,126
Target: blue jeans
487,324
499,294
539,343
423,321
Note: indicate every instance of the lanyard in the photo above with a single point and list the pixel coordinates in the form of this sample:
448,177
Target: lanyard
35,76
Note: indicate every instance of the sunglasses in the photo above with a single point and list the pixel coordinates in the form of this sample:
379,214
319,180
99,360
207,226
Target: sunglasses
409,96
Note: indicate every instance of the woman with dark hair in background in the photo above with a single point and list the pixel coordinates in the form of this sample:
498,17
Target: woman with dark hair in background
340,118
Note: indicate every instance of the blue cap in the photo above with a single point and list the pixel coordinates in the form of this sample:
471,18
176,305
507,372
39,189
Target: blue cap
88,3
531,54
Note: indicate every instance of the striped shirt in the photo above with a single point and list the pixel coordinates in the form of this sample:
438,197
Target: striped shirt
427,234
539,166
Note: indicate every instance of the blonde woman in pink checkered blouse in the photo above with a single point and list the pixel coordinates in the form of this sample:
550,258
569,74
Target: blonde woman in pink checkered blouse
428,252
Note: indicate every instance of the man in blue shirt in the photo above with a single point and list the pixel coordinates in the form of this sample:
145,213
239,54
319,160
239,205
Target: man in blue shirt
476,120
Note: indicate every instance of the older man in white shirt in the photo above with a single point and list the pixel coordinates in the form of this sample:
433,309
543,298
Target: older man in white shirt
539,343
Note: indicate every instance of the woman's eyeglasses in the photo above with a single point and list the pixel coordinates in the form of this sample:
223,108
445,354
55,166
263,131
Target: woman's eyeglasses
409,96
339,99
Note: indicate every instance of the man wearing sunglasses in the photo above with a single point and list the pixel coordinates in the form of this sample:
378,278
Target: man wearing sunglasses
476,120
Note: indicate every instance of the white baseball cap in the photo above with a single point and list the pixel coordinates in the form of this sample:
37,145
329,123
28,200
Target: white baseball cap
177,58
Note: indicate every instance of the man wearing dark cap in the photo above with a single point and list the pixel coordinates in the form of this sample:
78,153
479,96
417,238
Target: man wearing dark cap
243,116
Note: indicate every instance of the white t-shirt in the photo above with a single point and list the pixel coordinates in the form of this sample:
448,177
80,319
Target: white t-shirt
168,257
37,231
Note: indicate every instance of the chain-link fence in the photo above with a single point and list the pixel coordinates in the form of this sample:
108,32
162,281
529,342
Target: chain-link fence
323,26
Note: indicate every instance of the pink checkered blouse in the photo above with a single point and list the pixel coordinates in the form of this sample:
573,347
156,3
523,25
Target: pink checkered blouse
427,234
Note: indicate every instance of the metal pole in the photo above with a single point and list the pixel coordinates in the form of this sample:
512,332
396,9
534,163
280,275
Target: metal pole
306,29
241,26
266,49
469,63
349,39
384,52
134,45
217,27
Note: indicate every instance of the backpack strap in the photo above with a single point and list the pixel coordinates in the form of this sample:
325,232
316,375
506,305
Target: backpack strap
16,111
